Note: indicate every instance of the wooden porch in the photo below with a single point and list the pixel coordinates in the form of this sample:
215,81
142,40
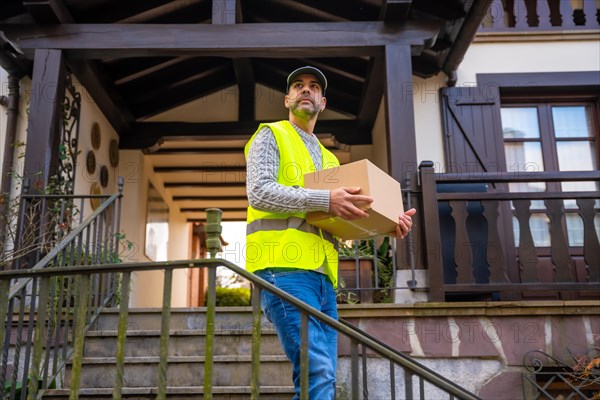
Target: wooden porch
473,251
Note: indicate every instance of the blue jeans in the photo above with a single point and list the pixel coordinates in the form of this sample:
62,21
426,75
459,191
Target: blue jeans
316,290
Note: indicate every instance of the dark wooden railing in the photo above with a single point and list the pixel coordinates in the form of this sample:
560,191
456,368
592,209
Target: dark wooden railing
540,15
466,259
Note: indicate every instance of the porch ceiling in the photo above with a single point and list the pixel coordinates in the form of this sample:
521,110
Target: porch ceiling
132,90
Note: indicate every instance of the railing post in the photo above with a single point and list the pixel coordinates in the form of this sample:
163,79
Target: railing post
164,335
213,243
40,322
122,334
304,339
256,337
589,11
566,13
3,325
82,302
431,227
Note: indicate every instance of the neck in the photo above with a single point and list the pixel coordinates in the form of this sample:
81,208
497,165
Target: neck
307,125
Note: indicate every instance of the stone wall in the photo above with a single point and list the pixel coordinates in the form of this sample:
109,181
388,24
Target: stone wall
480,346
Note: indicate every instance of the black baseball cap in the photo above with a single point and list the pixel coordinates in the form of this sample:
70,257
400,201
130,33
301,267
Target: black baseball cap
307,70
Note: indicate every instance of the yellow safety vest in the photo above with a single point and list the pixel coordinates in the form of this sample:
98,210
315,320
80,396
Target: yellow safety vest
286,240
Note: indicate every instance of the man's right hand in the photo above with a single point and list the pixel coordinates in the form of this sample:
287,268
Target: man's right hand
342,203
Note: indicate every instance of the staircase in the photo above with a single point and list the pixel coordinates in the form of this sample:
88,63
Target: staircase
232,363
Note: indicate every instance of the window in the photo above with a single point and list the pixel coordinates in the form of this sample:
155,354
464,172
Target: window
551,136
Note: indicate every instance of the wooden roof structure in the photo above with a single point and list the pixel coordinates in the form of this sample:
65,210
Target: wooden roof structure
139,59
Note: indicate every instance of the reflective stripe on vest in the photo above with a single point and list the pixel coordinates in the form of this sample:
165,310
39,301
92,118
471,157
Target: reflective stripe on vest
288,223
286,239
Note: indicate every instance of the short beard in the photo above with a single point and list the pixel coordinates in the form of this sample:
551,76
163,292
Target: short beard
303,113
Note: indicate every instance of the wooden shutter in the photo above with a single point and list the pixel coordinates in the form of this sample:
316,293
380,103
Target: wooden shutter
473,142
472,129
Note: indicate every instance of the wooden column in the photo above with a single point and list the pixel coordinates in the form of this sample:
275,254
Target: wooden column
45,117
226,12
400,114
400,124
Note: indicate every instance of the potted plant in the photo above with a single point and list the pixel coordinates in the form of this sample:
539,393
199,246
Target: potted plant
359,256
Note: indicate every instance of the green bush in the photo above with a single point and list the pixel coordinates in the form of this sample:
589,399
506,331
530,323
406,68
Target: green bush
227,297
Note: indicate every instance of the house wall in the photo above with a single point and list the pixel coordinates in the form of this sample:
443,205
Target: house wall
428,123
147,286
21,133
492,57
90,114
137,172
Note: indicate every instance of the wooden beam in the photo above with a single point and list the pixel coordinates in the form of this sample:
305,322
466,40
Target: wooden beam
394,11
94,78
226,12
90,73
159,11
200,85
170,77
146,134
400,122
223,12
399,109
271,40
244,75
48,11
372,93
45,117
11,60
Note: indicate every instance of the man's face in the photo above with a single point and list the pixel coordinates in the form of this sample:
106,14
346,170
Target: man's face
305,97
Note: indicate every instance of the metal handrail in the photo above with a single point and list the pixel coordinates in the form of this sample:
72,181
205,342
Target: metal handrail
48,301
43,263
357,336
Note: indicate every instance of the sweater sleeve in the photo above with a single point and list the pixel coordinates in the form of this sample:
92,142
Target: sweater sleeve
265,193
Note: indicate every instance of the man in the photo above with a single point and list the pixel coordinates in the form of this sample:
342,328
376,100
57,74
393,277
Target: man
281,246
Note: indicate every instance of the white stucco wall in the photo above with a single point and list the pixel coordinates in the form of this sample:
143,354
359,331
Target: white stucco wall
520,57
21,133
90,114
147,286
428,123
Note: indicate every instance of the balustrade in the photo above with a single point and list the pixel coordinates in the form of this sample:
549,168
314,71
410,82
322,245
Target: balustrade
541,15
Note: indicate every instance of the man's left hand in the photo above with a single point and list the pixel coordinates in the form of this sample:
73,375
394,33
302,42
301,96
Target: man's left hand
405,223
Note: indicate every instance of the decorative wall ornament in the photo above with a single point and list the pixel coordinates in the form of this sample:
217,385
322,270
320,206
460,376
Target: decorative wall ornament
90,162
70,138
113,153
95,190
104,176
96,136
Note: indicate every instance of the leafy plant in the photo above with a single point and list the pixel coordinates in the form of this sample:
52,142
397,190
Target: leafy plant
344,296
587,371
229,297
365,249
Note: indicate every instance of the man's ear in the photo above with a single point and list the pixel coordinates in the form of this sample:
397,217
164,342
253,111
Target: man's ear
323,103
286,101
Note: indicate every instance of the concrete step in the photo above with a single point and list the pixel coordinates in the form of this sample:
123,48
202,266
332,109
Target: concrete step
181,343
179,393
183,371
181,319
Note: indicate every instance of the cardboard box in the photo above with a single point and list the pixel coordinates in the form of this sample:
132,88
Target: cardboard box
383,211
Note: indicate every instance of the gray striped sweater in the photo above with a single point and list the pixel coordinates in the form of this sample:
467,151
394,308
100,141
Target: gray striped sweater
262,165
